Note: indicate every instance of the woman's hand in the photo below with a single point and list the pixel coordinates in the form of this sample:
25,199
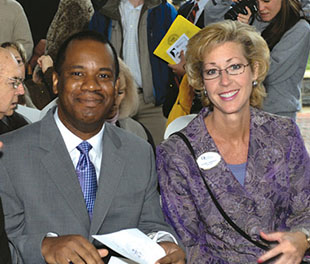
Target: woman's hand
245,18
178,69
45,61
291,248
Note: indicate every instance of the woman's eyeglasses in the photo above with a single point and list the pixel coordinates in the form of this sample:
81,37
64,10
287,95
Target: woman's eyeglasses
234,69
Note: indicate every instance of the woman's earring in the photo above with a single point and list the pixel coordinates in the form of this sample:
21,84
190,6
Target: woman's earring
205,93
254,83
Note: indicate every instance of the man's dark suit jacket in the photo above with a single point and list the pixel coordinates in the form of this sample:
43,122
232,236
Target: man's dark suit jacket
5,256
10,123
185,9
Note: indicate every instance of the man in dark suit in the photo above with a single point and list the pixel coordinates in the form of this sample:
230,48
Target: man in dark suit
10,87
187,10
54,197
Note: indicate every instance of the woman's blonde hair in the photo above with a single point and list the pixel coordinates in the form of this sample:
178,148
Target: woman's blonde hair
129,105
255,50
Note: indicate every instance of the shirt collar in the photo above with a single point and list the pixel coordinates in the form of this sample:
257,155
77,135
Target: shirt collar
127,4
201,3
72,141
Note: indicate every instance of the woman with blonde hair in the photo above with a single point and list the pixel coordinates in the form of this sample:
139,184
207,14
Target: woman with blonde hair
235,183
126,105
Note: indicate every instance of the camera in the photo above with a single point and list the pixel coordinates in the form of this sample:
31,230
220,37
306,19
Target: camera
239,7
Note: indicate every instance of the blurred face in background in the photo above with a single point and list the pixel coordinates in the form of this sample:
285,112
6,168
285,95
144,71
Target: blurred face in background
21,65
10,83
268,9
119,98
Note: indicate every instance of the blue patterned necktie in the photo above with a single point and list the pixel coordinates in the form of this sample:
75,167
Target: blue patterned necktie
86,173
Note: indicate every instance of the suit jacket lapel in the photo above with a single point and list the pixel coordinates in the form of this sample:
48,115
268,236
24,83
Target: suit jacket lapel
112,167
60,169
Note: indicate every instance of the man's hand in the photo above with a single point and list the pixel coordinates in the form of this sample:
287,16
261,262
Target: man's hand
71,248
291,248
175,254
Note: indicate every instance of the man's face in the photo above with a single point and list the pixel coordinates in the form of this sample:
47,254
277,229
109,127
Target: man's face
9,76
86,87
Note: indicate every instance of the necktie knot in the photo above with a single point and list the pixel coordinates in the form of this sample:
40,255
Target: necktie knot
84,147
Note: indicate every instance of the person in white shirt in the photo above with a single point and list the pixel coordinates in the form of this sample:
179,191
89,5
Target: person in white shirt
135,28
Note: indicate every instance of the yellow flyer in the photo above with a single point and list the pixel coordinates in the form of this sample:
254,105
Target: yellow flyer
175,40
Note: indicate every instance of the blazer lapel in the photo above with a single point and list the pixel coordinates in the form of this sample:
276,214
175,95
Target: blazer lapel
60,169
112,167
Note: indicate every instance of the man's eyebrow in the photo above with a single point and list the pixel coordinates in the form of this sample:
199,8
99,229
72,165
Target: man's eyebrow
75,67
82,67
106,69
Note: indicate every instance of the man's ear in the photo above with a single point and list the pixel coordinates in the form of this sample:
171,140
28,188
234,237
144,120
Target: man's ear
55,82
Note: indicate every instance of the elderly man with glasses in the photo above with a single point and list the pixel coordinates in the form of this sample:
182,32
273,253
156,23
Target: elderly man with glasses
11,81
11,86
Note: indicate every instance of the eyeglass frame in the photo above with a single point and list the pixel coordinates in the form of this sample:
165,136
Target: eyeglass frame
220,71
16,82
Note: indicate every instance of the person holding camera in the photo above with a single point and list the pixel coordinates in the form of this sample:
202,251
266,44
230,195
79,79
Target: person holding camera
283,25
238,190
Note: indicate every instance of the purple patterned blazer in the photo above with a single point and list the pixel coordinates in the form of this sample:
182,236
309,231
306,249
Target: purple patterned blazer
275,195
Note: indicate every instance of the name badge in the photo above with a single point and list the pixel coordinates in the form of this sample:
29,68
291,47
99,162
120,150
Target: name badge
208,160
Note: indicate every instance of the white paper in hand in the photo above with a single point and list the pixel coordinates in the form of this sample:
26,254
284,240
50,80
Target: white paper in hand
115,260
134,245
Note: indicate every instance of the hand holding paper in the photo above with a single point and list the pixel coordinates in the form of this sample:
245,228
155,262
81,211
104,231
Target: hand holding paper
179,68
175,40
139,248
134,245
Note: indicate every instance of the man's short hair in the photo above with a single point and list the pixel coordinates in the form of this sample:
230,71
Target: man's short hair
5,56
84,35
18,46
